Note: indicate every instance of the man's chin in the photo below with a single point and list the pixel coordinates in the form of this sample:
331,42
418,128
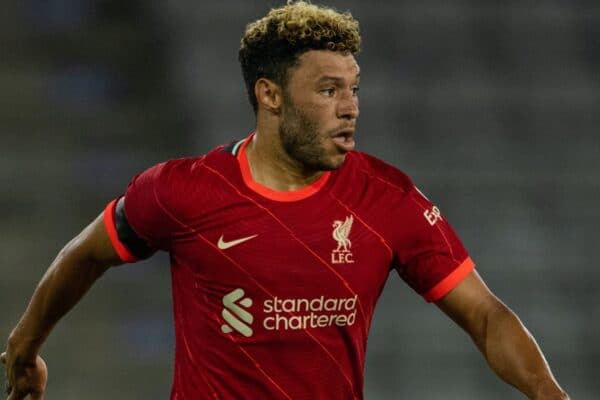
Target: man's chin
334,162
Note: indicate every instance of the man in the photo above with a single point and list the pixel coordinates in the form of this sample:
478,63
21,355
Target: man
281,242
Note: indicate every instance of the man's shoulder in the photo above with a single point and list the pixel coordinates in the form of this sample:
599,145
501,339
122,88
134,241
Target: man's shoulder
185,183
180,178
186,167
373,168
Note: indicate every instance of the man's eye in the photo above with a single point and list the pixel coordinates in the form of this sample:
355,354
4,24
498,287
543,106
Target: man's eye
355,90
328,91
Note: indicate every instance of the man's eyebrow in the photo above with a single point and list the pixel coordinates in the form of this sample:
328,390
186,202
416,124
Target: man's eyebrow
335,78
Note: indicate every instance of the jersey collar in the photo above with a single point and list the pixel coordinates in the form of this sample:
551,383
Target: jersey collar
292,195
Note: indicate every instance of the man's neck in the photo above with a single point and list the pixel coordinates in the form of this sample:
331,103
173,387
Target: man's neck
272,167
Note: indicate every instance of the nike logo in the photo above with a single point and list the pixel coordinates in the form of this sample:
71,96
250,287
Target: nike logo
223,245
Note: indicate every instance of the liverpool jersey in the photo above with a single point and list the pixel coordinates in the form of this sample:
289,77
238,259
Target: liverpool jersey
274,292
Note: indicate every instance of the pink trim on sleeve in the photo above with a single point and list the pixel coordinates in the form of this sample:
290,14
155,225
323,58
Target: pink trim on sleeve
451,281
109,224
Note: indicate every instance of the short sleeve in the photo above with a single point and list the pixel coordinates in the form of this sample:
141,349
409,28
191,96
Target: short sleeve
138,223
430,256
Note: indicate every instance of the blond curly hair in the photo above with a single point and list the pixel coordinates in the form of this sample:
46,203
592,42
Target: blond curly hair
273,44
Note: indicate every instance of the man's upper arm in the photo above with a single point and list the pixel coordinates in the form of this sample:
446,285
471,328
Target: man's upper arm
469,302
94,244
430,256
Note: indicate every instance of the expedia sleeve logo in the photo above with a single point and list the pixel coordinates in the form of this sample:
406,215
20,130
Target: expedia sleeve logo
432,216
287,313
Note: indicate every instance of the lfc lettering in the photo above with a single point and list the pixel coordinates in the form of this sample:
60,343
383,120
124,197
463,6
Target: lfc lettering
341,258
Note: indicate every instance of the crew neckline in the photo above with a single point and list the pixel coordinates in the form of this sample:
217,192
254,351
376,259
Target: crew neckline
284,196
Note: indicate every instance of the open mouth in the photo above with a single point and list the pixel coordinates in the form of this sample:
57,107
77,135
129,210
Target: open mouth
344,140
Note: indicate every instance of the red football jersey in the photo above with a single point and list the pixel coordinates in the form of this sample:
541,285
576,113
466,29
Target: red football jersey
274,291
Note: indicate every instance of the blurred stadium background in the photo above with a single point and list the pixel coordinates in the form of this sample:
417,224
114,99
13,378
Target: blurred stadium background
493,107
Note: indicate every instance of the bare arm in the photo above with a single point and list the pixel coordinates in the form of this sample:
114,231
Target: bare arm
78,265
507,345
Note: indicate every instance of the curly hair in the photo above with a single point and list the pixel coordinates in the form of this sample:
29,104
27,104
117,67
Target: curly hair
273,44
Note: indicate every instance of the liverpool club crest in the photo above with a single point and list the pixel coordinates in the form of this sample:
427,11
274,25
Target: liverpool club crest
341,232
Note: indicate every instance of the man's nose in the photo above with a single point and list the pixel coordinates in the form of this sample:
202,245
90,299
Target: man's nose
348,107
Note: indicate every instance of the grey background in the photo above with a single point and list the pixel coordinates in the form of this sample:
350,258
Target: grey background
493,108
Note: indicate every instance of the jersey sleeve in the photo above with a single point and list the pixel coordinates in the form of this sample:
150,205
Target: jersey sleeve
431,258
138,223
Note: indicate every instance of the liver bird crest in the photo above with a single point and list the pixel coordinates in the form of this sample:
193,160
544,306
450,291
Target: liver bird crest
341,232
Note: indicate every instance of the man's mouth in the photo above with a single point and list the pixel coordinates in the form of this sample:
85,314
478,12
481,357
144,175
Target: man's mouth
344,140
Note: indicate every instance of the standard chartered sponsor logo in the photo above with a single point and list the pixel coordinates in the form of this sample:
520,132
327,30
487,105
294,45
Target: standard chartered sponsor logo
235,316
319,312
288,314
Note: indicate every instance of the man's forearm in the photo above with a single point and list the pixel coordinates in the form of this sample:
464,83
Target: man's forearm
514,355
69,277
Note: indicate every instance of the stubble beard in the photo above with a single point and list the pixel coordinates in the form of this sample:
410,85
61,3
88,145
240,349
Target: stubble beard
301,139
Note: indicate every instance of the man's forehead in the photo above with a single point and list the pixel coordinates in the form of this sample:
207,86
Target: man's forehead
317,64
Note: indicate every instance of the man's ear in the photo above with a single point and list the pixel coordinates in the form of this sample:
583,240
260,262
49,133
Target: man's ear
269,95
